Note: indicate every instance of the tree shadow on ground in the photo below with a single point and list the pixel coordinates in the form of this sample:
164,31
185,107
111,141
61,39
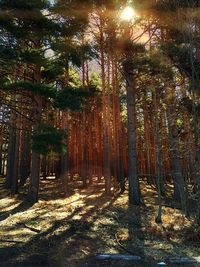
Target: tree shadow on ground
23,206
62,244
98,226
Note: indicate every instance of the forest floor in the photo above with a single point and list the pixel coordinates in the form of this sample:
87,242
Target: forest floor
69,231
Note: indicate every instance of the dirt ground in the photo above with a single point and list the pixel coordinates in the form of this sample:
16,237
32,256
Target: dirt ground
69,231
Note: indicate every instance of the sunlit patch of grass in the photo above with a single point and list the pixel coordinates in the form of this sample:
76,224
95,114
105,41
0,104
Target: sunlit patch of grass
7,204
89,222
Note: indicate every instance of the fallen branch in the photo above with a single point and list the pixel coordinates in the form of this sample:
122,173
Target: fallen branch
124,248
117,257
30,228
180,261
10,241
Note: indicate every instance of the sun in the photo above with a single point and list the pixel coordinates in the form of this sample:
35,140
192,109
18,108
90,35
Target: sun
128,14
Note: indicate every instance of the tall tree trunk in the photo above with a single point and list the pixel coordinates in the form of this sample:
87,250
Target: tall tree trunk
64,158
35,178
197,164
134,188
1,149
147,139
196,123
84,163
180,191
44,167
14,185
106,143
11,151
159,180
35,160
25,157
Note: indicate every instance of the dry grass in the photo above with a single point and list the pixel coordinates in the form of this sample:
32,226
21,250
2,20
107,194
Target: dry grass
60,231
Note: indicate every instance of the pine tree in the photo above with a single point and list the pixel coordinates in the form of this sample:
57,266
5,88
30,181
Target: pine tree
180,44
31,37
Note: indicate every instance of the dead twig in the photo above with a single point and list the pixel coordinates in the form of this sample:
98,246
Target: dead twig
122,247
30,228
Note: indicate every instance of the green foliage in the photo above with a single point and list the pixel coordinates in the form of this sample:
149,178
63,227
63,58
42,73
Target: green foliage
169,5
95,80
7,54
48,139
74,77
74,16
33,56
129,48
25,5
37,88
147,64
30,30
185,60
159,66
88,52
71,98
52,71
8,58
67,51
180,41
73,52
25,19
67,98
191,105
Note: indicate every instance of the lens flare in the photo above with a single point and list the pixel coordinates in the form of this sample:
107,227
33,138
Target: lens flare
128,14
